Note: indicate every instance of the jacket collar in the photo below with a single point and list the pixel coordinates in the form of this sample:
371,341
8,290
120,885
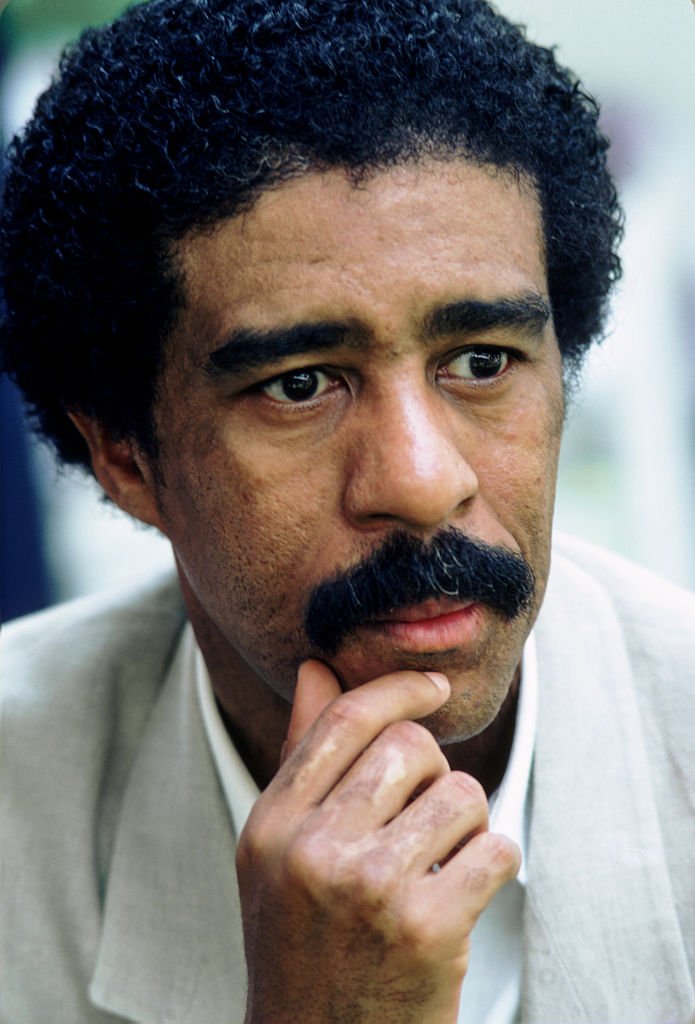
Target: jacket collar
171,947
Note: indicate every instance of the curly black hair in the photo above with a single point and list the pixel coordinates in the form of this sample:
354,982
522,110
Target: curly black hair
182,111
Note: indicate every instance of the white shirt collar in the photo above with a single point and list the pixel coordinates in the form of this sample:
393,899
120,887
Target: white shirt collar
240,791
509,805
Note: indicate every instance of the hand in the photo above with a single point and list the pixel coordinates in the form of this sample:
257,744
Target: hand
344,919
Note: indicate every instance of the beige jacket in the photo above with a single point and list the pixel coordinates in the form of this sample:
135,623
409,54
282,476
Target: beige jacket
117,887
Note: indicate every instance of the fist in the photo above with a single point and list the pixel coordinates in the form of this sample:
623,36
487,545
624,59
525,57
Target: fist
365,864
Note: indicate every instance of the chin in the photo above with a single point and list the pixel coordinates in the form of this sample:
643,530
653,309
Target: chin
466,715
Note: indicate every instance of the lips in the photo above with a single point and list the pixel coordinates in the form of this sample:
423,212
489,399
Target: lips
435,625
435,608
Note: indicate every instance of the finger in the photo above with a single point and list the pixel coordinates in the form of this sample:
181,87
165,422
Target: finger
468,882
447,814
379,784
346,727
316,687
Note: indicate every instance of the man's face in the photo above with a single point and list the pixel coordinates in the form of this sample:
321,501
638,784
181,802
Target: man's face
330,385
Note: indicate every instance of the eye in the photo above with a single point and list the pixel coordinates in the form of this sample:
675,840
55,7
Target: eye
479,363
297,386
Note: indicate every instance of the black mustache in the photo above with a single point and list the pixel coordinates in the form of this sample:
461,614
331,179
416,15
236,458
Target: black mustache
405,571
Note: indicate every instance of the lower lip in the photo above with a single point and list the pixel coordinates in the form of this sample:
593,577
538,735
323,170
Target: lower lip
443,632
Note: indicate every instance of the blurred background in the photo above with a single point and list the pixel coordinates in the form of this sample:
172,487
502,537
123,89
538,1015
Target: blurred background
627,476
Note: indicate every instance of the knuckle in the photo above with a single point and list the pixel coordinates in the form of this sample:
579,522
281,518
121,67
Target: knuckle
467,789
305,862
378,874
348,713
421,934
501,852
256,841
496,862
355,878
421,931
477,888
410,735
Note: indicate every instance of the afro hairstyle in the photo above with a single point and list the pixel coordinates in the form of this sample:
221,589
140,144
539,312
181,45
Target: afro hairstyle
181,112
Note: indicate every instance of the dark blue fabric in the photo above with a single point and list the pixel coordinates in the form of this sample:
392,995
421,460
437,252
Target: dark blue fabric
24,578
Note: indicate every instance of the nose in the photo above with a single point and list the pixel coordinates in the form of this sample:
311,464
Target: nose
406,462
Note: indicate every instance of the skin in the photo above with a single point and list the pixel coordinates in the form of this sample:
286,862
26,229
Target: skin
263,498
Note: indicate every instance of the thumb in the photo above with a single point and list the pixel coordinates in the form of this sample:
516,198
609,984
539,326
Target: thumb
317,687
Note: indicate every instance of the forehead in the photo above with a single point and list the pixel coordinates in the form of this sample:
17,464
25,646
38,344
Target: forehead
321,246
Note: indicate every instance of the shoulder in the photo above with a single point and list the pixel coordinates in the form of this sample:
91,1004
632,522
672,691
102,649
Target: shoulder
90,640
636,620
79,682
617,677
652,611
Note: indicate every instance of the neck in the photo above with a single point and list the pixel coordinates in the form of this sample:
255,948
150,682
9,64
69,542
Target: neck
255,717
256,727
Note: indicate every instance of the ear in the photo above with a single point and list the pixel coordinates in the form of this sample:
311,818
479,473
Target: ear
123,471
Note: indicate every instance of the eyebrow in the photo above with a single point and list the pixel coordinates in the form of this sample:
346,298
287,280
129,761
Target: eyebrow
249,348
528,313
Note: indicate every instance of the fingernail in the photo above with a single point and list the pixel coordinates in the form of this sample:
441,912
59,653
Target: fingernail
439,680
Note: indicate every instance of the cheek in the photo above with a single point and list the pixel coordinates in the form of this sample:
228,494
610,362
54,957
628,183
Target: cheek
283,508
245,517
521,470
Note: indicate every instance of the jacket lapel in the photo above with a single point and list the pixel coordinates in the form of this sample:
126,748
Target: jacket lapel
602,940
171,947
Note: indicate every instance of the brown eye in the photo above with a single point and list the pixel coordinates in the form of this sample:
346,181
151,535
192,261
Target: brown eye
479,363
297,386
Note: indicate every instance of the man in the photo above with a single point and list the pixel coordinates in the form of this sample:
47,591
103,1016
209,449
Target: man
305,283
